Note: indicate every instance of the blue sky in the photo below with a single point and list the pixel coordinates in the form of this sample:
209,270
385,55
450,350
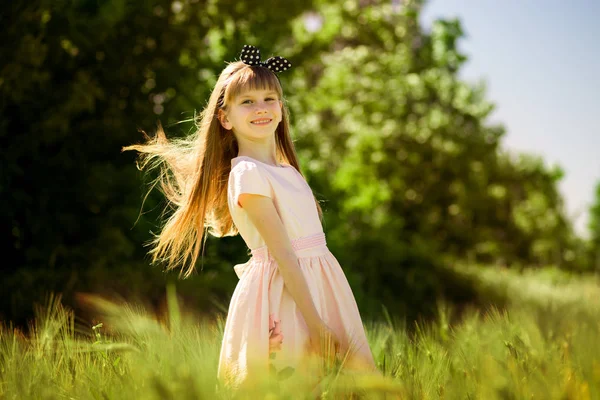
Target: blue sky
540,60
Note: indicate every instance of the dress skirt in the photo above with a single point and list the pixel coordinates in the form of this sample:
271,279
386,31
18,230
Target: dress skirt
265,332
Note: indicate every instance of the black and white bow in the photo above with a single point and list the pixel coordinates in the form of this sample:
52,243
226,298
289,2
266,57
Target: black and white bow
251,56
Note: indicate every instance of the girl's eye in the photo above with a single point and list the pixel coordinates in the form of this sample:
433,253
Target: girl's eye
268,99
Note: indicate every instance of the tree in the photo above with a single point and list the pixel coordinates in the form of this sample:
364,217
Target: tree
399,148
594,228
414,171
78,80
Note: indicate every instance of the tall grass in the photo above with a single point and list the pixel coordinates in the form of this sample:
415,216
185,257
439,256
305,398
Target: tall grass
544,345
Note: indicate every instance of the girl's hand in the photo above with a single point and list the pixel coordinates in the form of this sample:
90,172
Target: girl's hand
324,341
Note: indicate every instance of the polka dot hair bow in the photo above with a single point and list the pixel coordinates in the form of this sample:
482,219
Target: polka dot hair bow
251,56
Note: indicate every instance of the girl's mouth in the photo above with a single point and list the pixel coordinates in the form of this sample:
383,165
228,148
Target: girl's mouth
262,121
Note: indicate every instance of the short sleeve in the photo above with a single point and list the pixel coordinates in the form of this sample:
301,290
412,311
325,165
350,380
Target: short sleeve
247,177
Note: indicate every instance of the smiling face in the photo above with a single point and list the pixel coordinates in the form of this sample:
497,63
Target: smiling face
253,114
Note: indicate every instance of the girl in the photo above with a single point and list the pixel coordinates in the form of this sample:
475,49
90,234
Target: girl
239,173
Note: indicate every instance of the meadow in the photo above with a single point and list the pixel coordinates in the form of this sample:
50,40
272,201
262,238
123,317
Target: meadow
541,343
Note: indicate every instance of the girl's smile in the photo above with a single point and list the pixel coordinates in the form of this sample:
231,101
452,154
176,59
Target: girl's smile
261,121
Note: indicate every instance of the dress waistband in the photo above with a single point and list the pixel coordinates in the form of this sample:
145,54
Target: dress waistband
299,244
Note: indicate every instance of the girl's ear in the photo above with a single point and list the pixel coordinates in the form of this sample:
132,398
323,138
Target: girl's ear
223,120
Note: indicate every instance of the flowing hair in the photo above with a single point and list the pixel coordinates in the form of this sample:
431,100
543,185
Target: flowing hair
194,170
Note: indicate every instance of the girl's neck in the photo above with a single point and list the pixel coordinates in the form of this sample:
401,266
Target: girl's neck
264,155
265,160
264,150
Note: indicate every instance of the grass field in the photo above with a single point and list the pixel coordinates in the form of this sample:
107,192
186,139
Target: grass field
544,344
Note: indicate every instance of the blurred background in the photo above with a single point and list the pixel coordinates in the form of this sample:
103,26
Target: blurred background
436,134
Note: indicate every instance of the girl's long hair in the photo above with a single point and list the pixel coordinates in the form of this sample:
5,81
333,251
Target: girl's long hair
194,170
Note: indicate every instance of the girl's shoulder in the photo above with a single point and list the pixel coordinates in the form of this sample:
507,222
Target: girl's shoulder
248,174
246,171
239,164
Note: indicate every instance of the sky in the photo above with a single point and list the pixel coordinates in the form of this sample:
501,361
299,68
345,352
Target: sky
540,60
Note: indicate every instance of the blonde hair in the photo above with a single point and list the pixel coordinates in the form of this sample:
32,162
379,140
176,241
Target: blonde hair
194,170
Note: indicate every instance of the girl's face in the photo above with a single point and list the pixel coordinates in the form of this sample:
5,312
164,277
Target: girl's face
254,114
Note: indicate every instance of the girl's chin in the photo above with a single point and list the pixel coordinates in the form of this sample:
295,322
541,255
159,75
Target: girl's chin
259,133
270,127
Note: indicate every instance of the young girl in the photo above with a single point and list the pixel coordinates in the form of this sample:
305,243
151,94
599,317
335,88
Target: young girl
239,173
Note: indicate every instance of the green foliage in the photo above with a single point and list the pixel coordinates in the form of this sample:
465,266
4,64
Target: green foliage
410,170
78,80
594,225
399,149
594,228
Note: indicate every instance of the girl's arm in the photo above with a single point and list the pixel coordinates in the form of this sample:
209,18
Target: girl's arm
264,216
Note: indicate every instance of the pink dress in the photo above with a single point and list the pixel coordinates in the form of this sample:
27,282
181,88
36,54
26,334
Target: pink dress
265,331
